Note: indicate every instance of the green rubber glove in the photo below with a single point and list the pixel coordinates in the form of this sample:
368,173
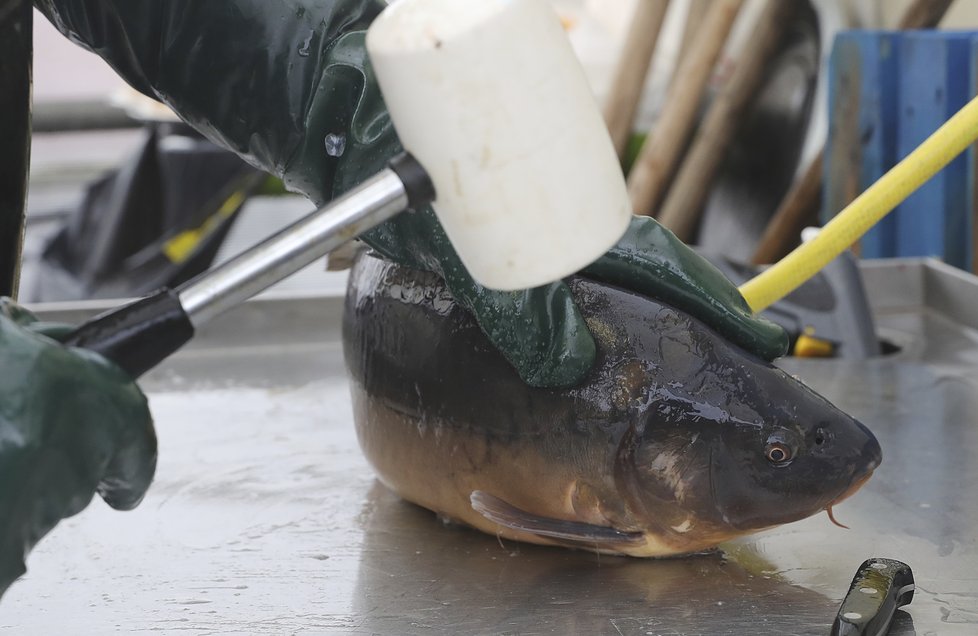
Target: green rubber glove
71,424
272,80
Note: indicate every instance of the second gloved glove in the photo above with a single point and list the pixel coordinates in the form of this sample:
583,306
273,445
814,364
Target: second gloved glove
71,424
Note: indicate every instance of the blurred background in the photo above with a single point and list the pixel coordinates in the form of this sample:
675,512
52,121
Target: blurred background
124,198
265,518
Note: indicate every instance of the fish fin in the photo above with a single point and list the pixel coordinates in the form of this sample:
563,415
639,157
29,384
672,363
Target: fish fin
498,511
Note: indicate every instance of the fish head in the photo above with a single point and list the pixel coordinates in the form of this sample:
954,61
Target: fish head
802,456
741,448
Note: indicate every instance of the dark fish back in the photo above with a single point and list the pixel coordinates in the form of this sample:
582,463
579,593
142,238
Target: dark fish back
409,344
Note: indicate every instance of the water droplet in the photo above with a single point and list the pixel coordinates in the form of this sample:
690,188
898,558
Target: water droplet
867,590
335,144
853,616
306,45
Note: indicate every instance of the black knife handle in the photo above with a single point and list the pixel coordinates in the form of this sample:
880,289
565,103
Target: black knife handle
880,587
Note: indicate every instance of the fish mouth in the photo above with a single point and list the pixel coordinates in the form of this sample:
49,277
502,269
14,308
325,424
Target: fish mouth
873,458
851,490
845,495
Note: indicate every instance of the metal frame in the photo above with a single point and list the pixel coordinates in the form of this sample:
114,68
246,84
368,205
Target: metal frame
16,23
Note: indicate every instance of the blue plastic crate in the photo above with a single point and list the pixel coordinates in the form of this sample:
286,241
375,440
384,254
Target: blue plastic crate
896,88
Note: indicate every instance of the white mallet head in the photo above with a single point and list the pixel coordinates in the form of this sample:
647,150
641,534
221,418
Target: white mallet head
489,97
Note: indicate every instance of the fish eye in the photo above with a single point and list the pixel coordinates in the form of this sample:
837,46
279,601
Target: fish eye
778,453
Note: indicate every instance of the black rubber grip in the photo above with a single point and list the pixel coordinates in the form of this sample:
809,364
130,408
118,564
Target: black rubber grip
880,587
417,183
138,336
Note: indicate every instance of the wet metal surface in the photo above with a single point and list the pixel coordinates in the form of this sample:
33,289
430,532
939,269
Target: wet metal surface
265,518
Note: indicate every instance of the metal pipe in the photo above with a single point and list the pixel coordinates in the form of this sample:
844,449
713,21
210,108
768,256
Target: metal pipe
310,238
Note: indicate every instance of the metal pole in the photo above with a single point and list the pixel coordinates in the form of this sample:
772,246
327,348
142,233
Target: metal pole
310,238
15,147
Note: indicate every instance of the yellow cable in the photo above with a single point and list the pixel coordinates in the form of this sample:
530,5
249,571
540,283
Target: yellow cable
877,201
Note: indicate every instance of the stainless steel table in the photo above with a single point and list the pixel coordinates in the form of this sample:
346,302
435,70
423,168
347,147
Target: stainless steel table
265,518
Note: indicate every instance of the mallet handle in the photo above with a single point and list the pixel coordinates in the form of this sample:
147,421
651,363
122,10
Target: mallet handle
139,336
294,247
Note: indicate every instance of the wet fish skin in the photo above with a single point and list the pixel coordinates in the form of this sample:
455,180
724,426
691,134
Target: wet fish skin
668,439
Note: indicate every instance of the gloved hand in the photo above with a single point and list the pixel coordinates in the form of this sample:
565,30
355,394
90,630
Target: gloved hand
272,80
71,425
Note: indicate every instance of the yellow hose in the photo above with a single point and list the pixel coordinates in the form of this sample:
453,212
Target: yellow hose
877,201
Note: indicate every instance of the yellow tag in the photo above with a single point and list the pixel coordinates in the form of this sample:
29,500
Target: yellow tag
179,248
808,346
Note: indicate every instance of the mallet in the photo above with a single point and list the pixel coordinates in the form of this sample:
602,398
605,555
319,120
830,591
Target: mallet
502,136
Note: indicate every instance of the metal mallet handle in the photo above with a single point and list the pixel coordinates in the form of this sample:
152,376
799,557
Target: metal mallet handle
140,335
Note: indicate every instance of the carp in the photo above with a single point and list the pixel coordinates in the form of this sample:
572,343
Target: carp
677,441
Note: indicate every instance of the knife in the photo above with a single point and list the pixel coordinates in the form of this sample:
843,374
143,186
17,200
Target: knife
880,587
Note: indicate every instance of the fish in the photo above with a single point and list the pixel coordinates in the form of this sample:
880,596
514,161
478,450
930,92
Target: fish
677,441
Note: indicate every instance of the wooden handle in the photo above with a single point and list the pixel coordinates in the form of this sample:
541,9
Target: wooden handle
683,206
924,14
662,150
798,211
633,67
694,20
